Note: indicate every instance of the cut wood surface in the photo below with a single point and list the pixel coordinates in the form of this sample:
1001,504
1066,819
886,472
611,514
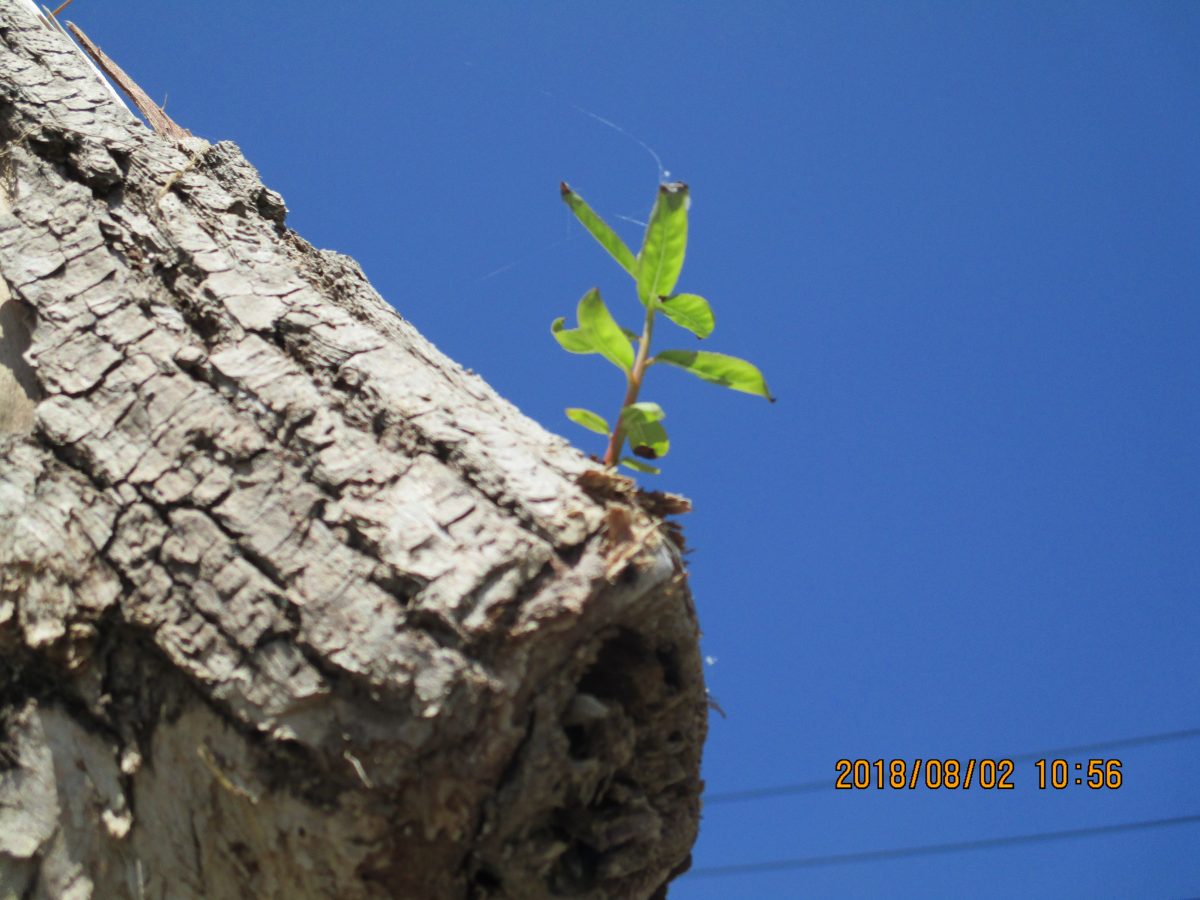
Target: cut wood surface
291,605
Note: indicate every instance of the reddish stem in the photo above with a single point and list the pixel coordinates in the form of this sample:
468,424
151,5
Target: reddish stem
634,384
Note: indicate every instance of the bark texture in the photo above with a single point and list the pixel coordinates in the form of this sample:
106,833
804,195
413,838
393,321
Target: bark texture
290,604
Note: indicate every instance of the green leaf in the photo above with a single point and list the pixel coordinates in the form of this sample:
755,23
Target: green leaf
728,371
661,257
600,230
588,420
639,466
643,427
573,340
602,331
651,412
690,311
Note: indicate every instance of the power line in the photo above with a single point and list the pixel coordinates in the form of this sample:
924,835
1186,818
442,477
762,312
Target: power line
804,787
833,859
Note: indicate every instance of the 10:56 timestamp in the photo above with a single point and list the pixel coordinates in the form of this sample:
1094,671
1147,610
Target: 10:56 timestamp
1097,774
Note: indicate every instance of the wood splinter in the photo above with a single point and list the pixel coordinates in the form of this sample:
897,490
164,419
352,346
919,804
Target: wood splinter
151,111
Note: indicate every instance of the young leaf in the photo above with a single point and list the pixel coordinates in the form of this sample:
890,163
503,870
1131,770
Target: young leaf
647,437
639,466
652,412
728,371
588,420
599,229
661,257
689,311
603,333
573,340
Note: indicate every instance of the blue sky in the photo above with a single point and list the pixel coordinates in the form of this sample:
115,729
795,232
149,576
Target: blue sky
960,240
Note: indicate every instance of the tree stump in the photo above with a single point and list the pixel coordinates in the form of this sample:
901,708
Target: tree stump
291,605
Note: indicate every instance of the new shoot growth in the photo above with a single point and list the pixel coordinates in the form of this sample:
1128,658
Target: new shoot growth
655,270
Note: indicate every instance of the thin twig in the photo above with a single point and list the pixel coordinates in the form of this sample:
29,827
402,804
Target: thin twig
158,119
175,176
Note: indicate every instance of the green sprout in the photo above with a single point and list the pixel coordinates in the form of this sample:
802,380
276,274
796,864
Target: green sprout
655,269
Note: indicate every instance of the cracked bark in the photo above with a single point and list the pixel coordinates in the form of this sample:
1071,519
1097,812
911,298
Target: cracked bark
290,604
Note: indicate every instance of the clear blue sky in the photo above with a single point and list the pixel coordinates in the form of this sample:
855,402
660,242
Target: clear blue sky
961,241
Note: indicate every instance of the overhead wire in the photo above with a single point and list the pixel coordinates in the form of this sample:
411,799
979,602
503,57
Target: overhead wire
832,859
803,787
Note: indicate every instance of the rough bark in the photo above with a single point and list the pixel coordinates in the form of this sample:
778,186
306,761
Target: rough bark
290,604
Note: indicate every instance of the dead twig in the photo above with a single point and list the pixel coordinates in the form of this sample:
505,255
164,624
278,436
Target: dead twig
159,120
175,176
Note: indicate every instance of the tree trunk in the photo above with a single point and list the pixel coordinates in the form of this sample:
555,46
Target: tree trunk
290,604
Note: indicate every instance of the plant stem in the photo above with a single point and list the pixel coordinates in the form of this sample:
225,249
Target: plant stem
634,381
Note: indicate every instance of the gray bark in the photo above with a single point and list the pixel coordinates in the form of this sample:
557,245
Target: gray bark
290,604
